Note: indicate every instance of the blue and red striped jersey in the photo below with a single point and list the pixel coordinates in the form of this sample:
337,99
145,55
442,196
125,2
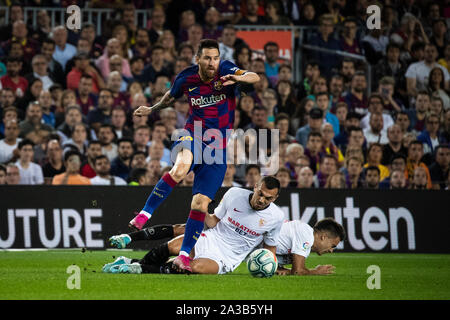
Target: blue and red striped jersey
212,103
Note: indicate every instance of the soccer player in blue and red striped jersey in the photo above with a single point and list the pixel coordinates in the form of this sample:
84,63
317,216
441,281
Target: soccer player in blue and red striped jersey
210,86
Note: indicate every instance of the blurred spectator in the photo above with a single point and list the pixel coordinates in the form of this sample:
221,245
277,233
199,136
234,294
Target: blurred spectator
419,179
72,162
120,166
375,132
356,98
118,121
374,156
275,14
341,114
56,70
313,150
8,145
354,166
349,41
30,172
15,14
374,45
242,57
305,178
12,79
271,64
106,136
154,170
323,101
251,17
293,152
102,114
156,66
418,114
418,72
78,140
33,120
439,170
71,118
439,36
252,175
212,29
301,114
12,174
402,119
141,138
112,48
93,151
283,175
336,181
430,136
436,86
282,124
351,120
287,103
372,177
54,163
311,74
40,71
82,67
394,146
45,101
139,177
397,180
156,152
138,160
64,51
325,39
336,91
387,89
31,94
158,19
228,180
414,160
328,166
328,146
376,106
9,113
102,169
2,174
315,121
114,83
86,99
227,43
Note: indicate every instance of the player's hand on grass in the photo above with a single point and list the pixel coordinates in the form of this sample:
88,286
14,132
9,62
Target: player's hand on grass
142,111
326,269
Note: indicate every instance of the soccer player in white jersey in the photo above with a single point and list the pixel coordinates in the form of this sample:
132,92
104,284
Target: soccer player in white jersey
241,221
297,240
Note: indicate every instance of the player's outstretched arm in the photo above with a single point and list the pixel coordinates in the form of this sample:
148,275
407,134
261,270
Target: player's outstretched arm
299,267
166,101
248,77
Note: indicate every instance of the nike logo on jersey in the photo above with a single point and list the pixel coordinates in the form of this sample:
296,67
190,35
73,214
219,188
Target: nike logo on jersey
192,89
237,210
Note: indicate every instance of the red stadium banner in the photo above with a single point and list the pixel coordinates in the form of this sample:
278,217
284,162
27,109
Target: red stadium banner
257,39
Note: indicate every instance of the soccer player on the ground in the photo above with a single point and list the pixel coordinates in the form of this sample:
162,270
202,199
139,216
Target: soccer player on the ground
297,239
241,221
210,87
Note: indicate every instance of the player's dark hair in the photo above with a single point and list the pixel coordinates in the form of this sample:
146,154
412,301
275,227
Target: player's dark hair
3,168
331,226
207,44
271,183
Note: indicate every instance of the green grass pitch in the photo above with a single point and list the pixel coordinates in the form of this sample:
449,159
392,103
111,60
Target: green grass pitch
42,275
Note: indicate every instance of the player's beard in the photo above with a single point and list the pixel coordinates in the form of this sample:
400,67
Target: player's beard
209,73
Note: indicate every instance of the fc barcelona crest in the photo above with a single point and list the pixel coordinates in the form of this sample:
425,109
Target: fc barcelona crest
218,85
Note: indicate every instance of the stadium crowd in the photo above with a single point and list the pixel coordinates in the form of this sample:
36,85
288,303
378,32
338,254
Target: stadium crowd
67,98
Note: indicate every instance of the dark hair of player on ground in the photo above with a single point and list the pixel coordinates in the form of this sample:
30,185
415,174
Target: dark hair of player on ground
271,183
330,226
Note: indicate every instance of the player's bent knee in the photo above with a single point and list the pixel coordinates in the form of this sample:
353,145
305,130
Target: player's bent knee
200,202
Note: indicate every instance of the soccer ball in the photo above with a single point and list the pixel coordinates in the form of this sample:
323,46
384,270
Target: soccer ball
262,263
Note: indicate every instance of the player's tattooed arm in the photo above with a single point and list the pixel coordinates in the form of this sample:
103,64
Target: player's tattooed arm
166,101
